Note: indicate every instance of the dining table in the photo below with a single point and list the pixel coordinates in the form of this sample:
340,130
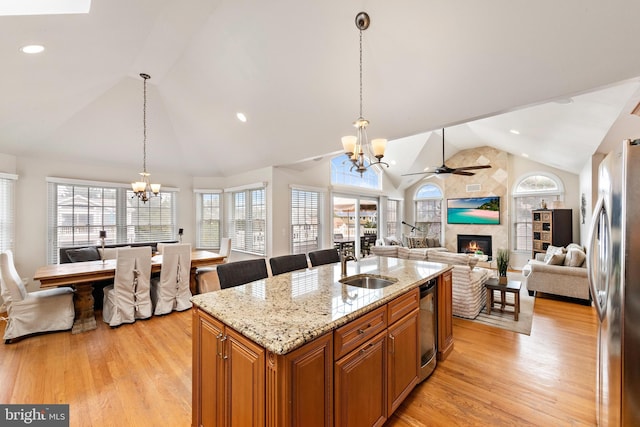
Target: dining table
82,275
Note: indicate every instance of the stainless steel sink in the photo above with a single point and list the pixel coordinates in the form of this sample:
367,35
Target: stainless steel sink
368,281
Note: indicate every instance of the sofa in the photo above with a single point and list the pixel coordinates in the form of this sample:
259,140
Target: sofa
468,291
560,271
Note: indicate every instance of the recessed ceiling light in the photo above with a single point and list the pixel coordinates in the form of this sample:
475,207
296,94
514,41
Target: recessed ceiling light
515,131
241,117
525,155
32,48
43,7
393,162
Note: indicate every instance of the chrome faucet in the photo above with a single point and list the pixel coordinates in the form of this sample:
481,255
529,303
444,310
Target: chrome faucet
344,257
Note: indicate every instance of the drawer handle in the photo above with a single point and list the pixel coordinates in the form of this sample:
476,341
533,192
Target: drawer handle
218,352
364,349
362,331
224,356
393,343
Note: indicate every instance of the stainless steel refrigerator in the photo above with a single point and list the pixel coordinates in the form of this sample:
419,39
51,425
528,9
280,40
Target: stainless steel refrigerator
613,258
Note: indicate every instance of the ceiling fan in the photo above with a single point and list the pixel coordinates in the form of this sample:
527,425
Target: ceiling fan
444,170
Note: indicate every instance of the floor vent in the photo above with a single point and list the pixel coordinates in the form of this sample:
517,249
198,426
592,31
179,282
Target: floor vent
473,188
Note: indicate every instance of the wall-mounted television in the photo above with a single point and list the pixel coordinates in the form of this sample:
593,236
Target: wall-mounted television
473,210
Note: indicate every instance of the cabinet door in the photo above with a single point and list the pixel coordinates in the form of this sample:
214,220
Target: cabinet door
244,381
360,385
403,359
208,371
445,315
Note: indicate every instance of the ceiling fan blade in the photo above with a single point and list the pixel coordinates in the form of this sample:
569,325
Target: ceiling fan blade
468,168
416,173
461,172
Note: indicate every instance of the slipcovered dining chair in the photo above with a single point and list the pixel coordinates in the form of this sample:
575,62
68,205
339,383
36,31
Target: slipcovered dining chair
287,263
129,297
241,272
207,277
324,256
32,312
171,290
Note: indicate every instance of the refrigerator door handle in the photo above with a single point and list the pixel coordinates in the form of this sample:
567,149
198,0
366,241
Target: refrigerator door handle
595,271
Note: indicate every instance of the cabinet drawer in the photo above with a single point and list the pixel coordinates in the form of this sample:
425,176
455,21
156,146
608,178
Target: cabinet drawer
546,236
353,334
546,216
537,245
537,226
401,306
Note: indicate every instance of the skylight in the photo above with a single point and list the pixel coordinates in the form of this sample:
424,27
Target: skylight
43,7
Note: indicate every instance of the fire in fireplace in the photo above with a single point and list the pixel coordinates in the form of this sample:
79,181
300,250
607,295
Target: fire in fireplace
470,243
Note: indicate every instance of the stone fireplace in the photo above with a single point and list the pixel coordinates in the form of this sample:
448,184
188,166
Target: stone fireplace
470,243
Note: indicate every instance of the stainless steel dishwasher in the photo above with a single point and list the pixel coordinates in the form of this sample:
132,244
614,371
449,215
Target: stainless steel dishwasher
428,328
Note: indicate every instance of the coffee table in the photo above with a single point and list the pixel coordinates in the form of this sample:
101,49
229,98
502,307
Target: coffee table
513,287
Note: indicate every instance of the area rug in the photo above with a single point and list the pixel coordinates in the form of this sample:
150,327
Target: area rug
505,320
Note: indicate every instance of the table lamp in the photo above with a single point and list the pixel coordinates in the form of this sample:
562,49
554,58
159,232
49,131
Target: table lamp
103,235
180,232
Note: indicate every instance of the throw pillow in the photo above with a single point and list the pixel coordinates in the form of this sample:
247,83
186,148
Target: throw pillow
575,246
556,259
416,242
431,242
83,254
552,250
391,241
574,258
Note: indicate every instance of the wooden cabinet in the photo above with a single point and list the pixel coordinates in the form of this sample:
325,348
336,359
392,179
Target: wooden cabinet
373,379
551,227
220,354
403,359
360,385
445,315
300,385
356,375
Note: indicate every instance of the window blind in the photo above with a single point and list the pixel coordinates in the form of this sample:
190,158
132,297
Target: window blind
7,211
305,221
248,220
77,212
208,212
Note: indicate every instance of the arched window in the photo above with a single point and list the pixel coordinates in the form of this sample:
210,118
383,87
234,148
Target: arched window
342,174
528,194
428,210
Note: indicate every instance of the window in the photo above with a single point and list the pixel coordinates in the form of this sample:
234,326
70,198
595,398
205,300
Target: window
248,220
7,211
341,174
428,205
392,215
305,220
528,195
78,210
208,208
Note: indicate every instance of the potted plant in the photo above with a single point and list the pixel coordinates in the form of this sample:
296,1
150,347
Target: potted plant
503,264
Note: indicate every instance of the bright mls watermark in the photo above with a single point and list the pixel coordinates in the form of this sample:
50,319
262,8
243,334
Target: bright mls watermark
34,415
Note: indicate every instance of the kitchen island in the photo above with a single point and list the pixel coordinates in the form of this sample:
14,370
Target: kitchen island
301,348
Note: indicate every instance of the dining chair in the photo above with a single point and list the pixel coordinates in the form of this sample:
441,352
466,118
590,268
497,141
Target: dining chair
287,263
32,312
171,290
129,297
241,272
324,256
207,277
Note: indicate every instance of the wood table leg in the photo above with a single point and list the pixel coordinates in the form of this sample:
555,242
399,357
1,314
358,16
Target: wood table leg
516,308
85,319
192,281
489,301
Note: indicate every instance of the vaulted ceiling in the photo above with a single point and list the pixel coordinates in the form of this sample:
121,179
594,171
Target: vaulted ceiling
564,74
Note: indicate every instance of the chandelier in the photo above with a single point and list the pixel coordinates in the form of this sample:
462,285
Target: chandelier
358,148
142,188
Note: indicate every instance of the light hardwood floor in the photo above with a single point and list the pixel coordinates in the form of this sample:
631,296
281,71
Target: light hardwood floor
140,374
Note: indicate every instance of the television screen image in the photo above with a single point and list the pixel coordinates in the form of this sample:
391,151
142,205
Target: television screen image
474,210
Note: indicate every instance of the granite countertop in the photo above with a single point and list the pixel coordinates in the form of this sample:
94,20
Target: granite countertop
283,312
